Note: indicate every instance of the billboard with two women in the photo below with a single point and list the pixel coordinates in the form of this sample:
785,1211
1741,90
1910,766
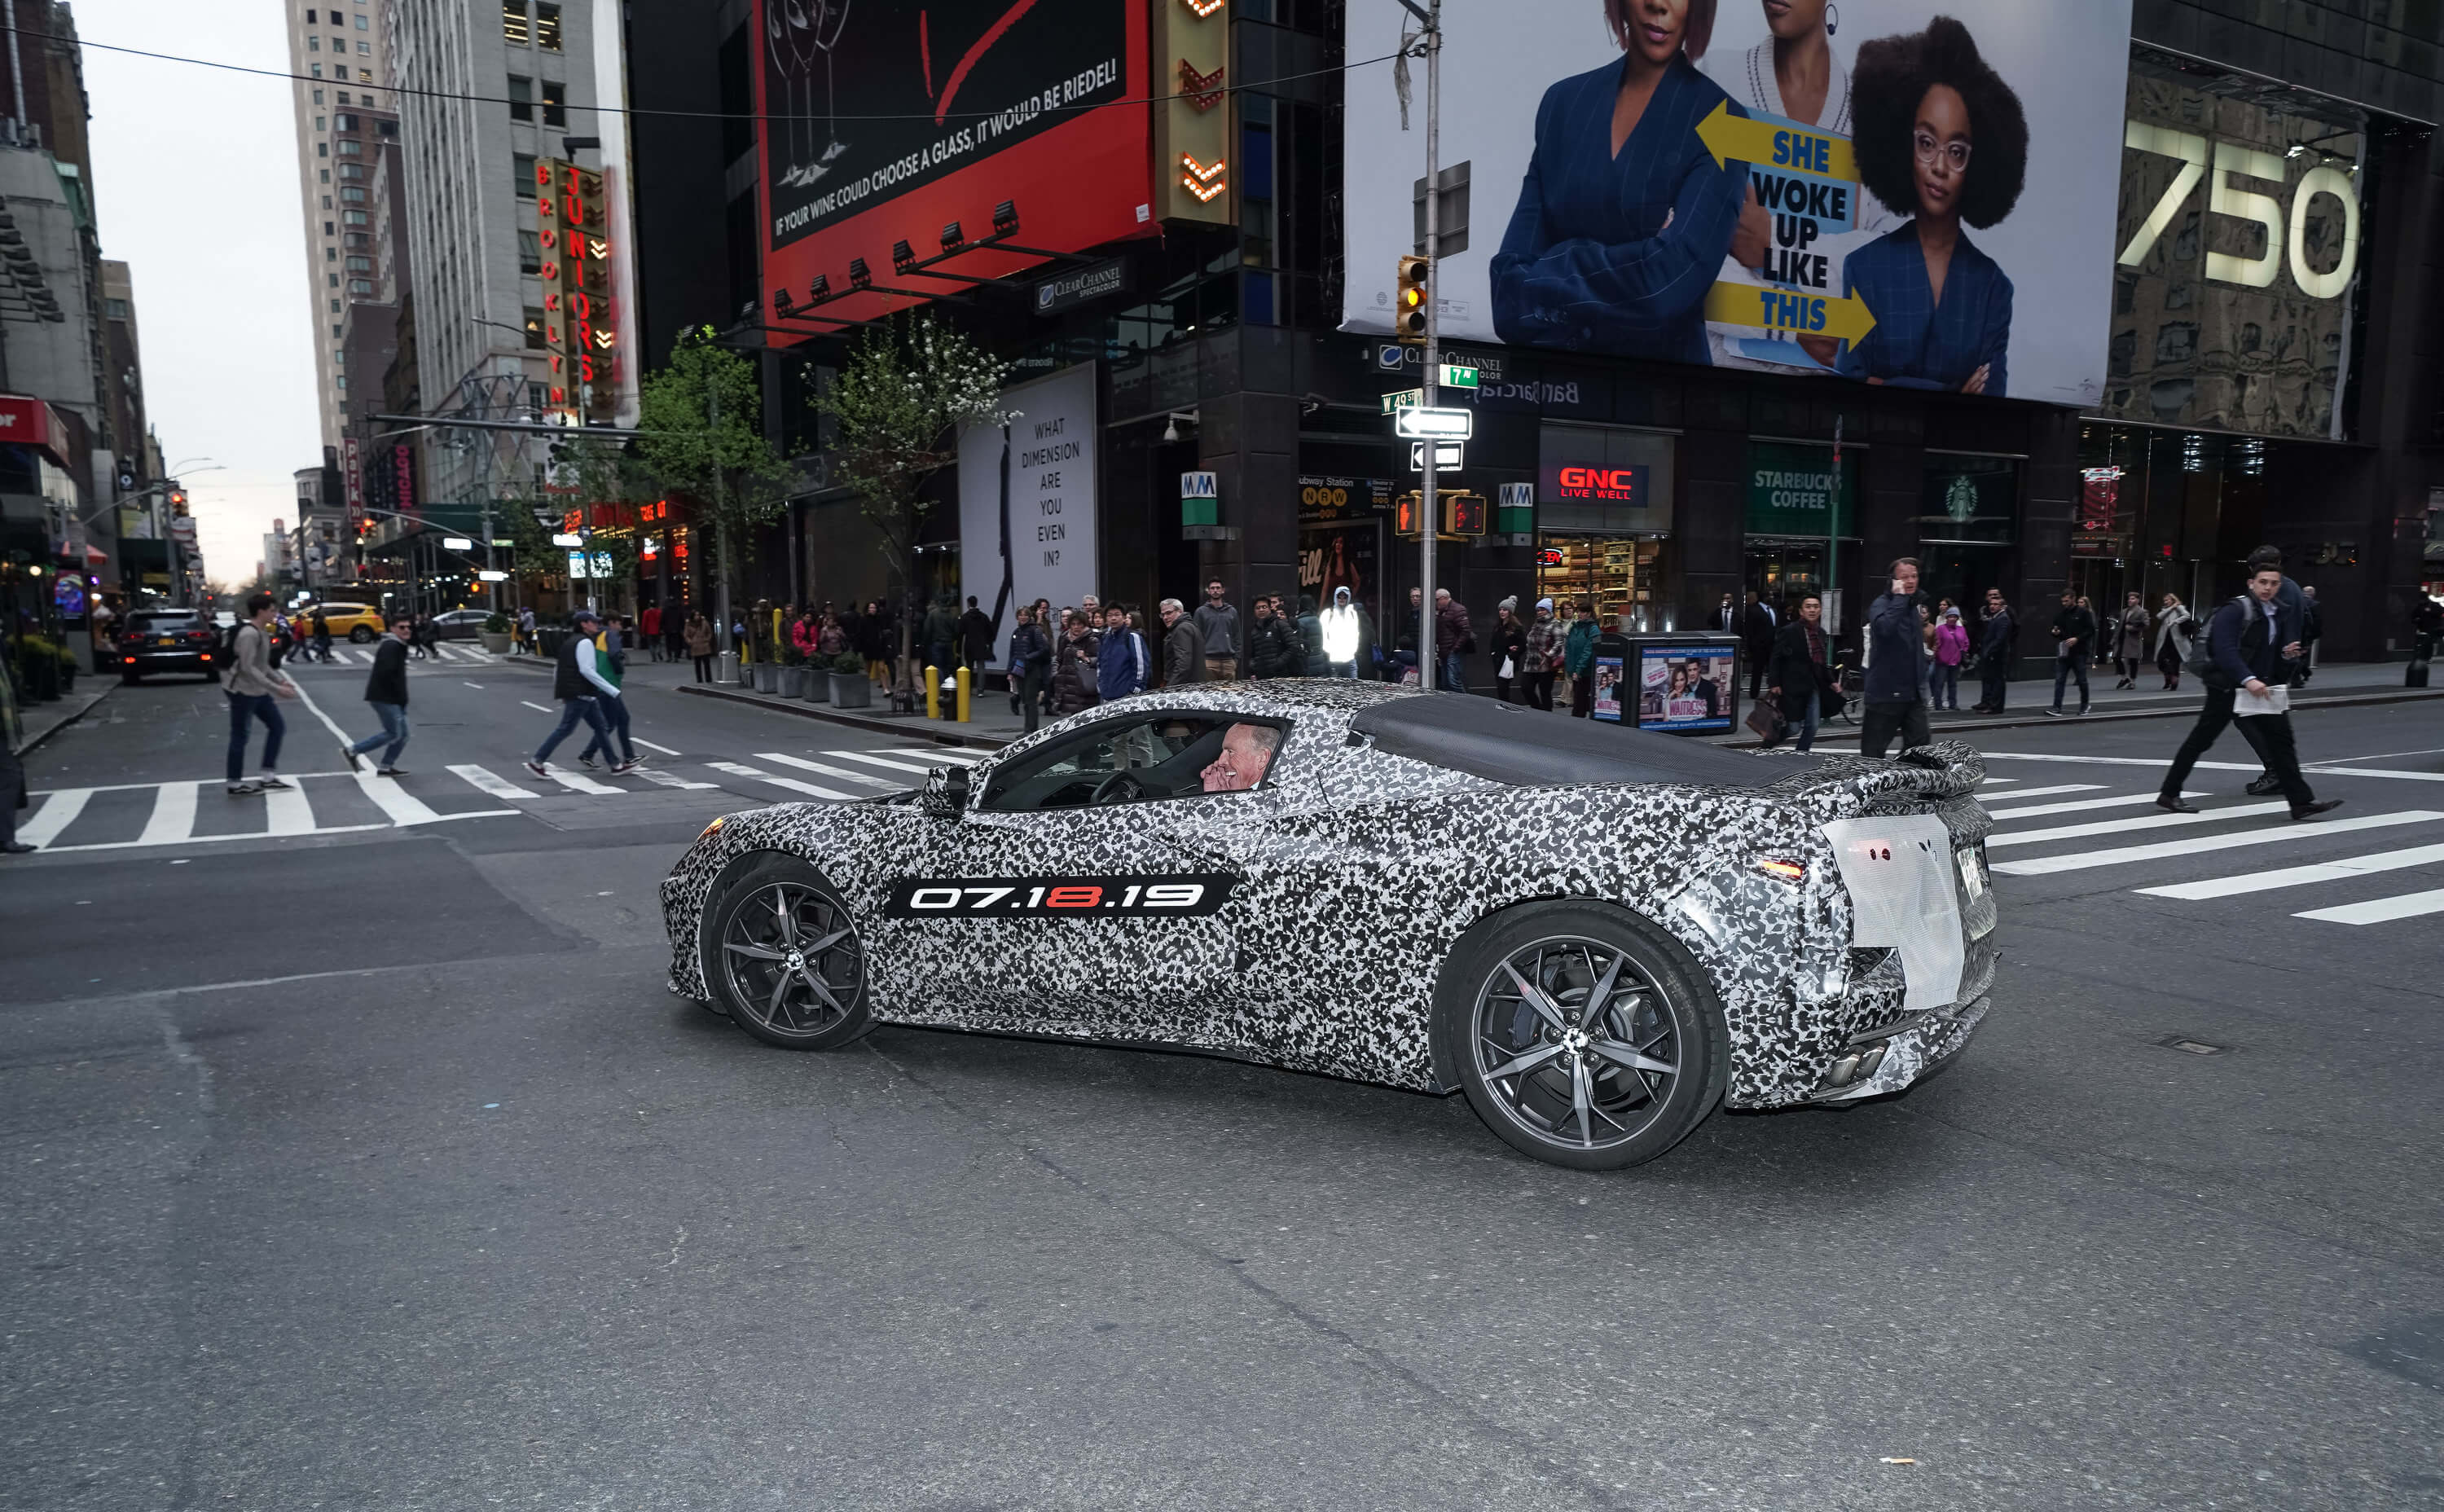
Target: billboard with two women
1912,192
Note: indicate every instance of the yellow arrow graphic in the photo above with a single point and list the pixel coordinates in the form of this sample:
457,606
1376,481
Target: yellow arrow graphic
1787,309
1763,145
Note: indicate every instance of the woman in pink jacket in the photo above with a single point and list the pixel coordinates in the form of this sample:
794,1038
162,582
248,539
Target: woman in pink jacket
1951,650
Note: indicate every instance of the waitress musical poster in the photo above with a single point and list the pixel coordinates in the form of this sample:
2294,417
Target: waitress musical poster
1888,191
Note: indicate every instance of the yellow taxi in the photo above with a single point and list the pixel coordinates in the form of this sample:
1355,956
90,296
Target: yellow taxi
358,622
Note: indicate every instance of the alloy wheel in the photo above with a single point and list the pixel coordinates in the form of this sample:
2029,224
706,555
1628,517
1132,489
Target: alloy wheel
792,959
1577,1042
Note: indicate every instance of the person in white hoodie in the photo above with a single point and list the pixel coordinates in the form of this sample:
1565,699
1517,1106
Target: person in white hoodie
1342,635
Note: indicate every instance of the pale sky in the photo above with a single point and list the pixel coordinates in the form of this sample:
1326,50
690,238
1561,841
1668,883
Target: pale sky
196,180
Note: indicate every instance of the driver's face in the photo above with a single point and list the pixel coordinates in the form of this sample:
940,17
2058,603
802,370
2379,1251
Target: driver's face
1240,765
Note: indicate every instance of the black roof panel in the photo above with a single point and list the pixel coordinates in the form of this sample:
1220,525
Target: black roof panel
1505,743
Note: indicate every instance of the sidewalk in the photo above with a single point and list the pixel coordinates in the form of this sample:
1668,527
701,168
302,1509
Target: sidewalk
992,725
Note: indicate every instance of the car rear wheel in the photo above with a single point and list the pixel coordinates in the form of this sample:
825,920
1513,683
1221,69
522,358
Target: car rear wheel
785,959
1583,1035
131,678
360,636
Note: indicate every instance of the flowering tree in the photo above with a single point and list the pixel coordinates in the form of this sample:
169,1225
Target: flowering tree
898,404
699,435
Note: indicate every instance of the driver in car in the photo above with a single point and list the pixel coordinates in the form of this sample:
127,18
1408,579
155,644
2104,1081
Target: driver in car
1246,750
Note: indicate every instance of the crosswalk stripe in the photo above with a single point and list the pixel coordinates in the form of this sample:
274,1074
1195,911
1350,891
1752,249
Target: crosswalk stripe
1991,781
663,749
491,782
2120,826
58,812
663,779
2372,771
579,782
2049,865
2382,910
940,753
2075,806
286,812
174,815
537,708
818,769
884,761
2311,768
199,840
740,769
2049,792
397,803
2301,875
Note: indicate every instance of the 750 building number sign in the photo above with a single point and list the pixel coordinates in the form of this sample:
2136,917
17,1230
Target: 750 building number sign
2286,235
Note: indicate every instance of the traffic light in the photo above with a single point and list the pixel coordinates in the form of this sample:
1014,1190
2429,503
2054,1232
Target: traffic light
178,498
1463,513
1409,302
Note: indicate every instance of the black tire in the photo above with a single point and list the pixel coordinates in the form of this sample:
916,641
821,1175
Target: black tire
1650,1066
212,674
130,679
361,636
781,906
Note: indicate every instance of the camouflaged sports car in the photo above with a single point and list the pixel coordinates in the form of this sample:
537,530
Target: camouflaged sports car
1597,934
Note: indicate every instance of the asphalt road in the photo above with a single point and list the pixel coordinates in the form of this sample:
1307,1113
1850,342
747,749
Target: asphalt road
372,1167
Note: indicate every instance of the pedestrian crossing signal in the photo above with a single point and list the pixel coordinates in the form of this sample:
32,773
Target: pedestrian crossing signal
1463,514
1409,302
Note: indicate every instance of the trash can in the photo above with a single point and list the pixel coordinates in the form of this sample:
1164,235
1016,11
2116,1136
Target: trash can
1674,685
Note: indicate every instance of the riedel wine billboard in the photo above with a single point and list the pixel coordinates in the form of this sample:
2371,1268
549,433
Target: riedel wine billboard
886,120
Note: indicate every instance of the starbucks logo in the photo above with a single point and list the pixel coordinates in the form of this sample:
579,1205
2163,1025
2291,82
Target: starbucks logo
1960,499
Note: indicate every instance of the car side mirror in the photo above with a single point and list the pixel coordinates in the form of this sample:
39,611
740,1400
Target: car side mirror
945,794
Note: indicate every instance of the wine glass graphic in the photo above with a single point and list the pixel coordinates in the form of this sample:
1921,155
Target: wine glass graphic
799,31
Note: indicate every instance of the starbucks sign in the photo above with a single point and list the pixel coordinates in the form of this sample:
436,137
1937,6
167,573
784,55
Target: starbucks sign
1796,490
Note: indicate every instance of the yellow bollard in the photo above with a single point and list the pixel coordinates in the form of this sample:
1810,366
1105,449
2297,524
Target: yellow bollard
932,692
963,695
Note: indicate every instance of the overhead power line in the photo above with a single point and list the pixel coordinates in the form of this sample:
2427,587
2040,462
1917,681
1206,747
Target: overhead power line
686,115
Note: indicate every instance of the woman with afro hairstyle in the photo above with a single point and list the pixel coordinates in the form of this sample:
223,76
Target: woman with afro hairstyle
1941,138
1624,215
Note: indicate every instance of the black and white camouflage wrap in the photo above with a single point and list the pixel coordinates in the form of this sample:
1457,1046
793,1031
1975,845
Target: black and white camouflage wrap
1358,871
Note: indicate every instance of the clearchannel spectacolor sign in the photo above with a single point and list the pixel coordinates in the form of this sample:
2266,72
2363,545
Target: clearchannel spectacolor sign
1917,194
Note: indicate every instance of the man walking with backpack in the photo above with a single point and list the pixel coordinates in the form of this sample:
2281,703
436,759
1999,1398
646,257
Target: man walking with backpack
386,690
253,691
579,685
611,660
2247,679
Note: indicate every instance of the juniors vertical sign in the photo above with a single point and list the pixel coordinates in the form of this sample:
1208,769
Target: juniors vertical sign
1027,499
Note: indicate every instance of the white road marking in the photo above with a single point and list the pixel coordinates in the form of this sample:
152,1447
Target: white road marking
174,815
818,767
2212,766
57,812
884,761
2075,806
737,769
941,753
476,686
537,708
2375,771
2390,755
2049,865
663,779
1991,781
2382,910
491,782
199,840
2120,826
2049,792
286,812
146,787
663,749
579,783
2301,875
328,723
401,805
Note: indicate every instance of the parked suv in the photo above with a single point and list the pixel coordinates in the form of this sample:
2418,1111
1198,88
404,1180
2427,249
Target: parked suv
152,640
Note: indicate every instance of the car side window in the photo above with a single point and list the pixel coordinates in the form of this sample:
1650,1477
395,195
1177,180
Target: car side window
1140,760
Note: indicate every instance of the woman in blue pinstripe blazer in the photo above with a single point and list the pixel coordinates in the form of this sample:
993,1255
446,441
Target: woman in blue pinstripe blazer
1942,137
1625,216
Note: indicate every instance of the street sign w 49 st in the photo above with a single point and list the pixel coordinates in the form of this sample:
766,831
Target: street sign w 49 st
1405,399
1421,424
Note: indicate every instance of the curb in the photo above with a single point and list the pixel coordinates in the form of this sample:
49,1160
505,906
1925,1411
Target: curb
95,703
2405,696
823,713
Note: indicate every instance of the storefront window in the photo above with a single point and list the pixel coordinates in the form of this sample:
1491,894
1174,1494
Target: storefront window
1967,524
1603,505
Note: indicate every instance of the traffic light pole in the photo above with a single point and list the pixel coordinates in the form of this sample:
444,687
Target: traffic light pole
1433,520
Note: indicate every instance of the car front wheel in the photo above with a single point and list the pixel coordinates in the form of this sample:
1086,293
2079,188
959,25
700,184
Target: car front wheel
785,959
1583,1035
360,635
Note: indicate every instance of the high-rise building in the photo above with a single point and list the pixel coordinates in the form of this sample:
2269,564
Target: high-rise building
494,96
342,116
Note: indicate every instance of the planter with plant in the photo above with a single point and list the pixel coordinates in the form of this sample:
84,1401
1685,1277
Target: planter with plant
793,672
495,633
851,686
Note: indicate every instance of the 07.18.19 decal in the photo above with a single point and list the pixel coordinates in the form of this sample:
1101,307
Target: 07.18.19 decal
1058,897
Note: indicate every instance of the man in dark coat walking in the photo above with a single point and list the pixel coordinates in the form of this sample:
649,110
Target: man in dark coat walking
1759,625
2250,659
2074,632
1895,667
1994,653
386,690
1801,672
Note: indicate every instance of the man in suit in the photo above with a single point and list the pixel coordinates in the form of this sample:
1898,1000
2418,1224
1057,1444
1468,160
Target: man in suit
1726,617
2250,656
1994,651
1758,627
1803,672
